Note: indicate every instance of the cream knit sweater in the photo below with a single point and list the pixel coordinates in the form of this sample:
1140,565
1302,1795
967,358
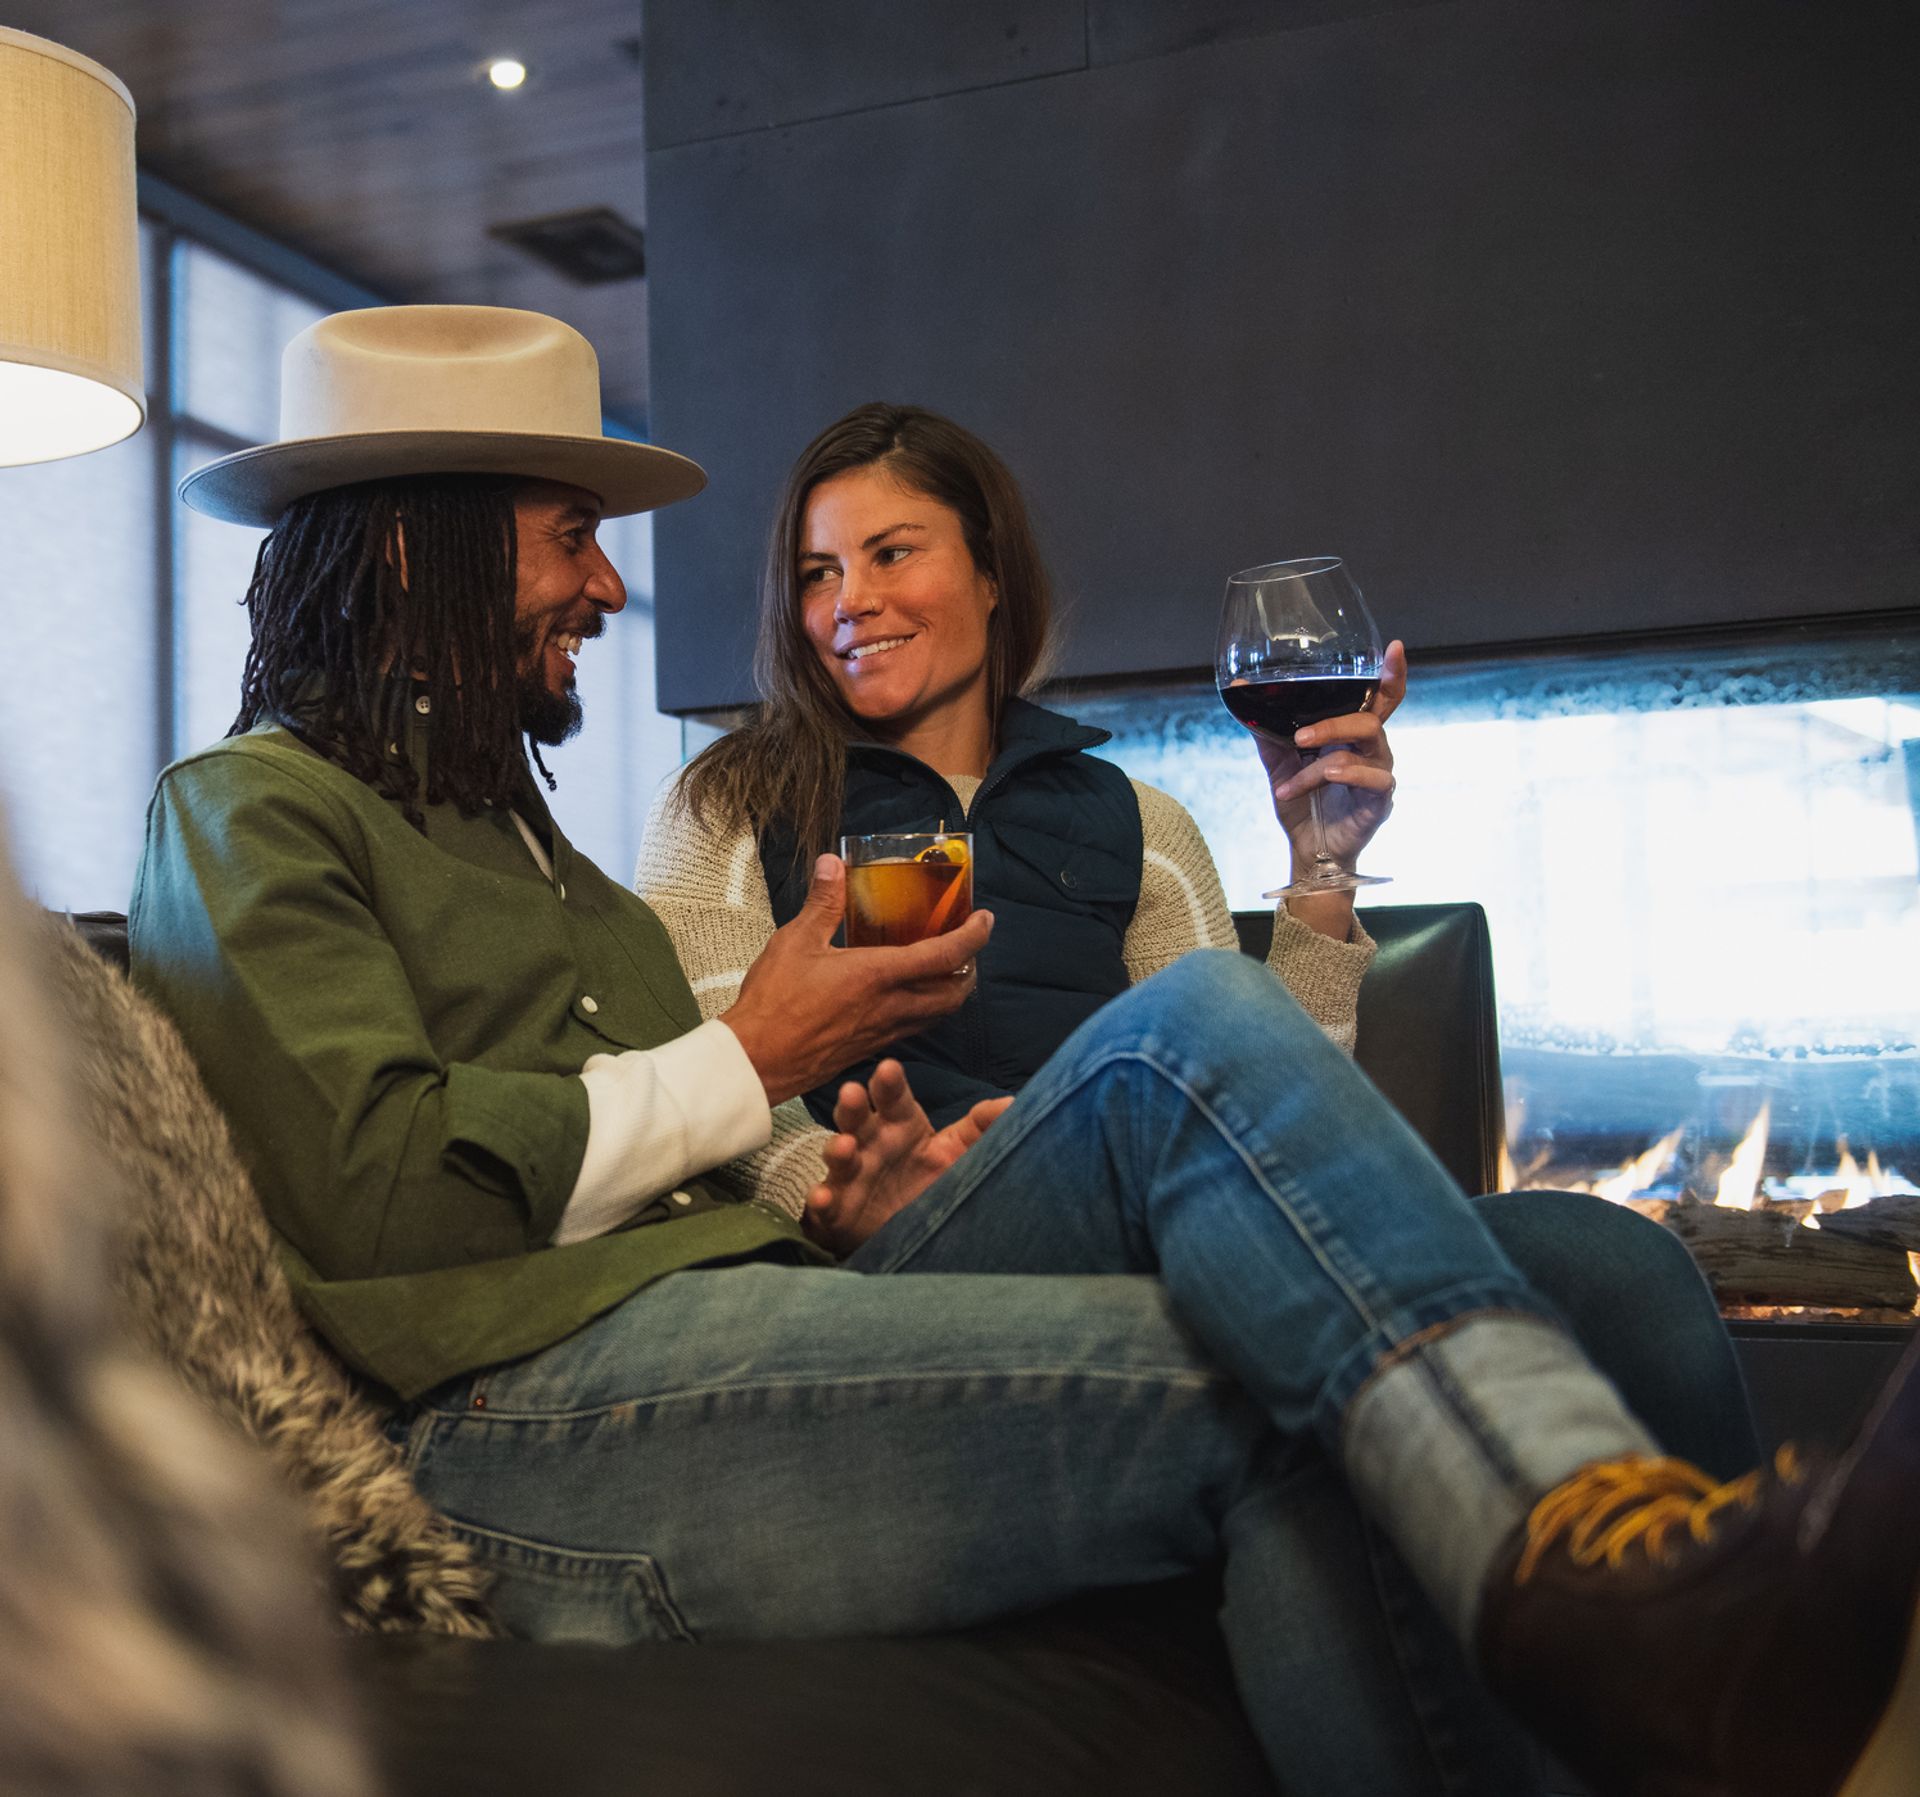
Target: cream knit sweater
709,891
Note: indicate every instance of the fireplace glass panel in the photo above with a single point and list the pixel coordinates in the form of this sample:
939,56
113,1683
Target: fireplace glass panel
1702,874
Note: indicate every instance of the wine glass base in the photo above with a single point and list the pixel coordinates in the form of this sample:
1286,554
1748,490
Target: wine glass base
1340,882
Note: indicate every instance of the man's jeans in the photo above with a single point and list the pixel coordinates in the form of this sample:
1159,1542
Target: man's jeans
1136,1314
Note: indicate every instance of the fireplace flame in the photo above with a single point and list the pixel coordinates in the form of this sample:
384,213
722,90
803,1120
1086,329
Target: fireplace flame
1742,1178
1640,1172
1857,1188
1668,1183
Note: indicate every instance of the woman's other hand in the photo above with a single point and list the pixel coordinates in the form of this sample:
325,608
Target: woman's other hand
886,1155
1354,770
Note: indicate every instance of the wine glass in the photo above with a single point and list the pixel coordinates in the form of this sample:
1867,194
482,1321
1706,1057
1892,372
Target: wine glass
1297,645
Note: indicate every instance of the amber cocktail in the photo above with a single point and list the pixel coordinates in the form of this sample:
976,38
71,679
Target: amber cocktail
902,889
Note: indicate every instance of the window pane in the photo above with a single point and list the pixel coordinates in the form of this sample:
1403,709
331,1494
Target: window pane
213,562
233,326
77,728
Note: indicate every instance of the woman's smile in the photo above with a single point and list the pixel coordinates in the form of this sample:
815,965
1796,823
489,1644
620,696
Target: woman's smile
874,646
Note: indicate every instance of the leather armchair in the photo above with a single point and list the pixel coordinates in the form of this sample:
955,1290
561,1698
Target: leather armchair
1429,1036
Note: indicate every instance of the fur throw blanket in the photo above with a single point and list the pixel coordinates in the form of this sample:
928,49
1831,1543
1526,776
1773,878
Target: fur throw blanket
204,1289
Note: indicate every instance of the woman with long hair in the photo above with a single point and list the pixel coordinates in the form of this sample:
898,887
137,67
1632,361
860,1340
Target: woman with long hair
905,608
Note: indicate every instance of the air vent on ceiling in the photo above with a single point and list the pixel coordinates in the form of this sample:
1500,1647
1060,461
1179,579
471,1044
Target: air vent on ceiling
589,247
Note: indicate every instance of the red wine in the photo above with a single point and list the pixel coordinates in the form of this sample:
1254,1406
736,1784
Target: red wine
1280,707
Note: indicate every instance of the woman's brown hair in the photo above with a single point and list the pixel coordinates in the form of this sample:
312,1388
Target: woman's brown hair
789,763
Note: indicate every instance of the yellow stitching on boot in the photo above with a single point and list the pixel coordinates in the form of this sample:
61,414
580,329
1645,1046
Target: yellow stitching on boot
1607,1508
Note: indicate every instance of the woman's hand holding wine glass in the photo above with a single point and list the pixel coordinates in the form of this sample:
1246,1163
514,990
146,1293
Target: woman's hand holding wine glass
1298,662
1353,767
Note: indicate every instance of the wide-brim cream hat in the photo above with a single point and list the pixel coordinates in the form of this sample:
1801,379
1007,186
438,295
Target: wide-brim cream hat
397,390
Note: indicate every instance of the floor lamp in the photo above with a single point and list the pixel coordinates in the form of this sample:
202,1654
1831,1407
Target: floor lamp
70,326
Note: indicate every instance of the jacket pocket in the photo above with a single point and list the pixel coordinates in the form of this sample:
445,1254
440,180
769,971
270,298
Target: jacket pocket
1086,873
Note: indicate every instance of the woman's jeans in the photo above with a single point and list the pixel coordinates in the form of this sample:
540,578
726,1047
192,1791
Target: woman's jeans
1113,1343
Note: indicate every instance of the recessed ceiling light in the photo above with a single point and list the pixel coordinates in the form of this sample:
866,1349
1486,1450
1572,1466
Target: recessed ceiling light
506,73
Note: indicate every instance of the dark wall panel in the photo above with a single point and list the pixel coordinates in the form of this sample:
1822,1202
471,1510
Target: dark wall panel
1557,318
717,67
1121,30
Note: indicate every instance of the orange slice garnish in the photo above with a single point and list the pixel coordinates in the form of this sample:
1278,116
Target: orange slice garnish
943,916
950,849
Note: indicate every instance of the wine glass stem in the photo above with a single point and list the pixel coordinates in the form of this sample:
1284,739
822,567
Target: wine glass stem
1323,863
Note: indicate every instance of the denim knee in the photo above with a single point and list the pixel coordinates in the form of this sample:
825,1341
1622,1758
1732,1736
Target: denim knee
1220,994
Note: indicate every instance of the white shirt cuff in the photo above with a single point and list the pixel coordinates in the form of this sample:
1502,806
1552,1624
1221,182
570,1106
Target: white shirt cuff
657,1116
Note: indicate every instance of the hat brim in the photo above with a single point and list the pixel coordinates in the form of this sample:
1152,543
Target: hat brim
254,486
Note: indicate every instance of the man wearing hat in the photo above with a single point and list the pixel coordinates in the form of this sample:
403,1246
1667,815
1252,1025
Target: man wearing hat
1118,1331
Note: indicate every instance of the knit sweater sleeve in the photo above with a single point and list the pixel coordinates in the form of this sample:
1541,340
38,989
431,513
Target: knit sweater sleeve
1183,907
706,886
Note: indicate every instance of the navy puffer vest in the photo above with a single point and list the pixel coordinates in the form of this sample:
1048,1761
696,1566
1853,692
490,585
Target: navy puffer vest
1057,850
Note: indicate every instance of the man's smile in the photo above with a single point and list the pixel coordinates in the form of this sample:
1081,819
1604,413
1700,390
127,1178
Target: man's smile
565,646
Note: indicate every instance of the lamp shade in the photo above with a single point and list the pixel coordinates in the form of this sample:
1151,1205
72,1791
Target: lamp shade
70,371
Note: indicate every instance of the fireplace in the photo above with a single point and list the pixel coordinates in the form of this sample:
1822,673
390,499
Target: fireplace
1699,861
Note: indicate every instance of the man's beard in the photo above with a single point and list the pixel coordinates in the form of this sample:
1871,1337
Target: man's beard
548,717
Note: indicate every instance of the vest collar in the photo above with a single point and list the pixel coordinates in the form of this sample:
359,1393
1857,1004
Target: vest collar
1027,733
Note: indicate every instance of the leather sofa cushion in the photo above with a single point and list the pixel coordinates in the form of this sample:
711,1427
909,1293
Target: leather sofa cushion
1117,1694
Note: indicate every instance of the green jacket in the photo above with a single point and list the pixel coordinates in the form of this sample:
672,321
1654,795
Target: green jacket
392,1023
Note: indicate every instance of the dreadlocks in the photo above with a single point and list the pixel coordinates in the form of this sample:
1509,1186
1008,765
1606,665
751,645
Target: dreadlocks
360,584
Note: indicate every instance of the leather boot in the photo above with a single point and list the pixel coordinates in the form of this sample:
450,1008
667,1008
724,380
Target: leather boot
1669,1636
